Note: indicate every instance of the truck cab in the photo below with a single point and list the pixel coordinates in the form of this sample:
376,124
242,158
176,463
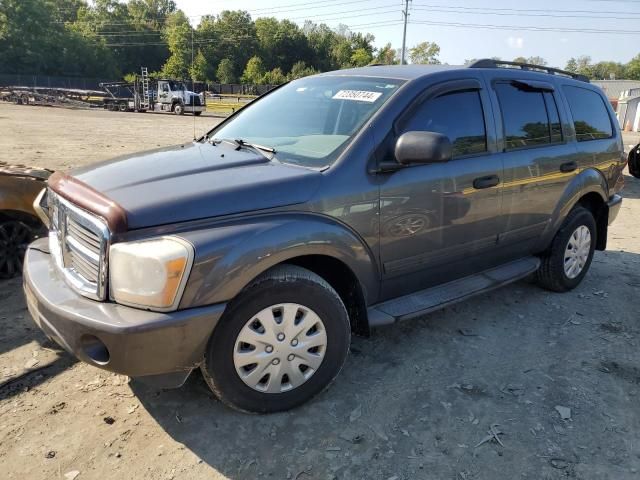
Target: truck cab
172,95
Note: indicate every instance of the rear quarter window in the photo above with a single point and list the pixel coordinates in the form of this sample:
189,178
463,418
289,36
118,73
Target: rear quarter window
590,116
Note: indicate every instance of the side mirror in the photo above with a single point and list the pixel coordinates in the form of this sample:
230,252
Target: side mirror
422,147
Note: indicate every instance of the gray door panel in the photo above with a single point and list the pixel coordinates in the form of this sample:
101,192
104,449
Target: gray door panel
435,225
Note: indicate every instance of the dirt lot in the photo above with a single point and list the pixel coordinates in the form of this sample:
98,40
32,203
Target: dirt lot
415,401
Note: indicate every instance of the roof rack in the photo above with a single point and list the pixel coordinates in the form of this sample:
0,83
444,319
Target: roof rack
491,63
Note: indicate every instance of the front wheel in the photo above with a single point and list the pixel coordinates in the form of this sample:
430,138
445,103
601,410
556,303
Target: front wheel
564,266
281,342
178,109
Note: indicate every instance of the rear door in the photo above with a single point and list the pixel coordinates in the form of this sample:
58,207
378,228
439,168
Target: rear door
439,221
538,159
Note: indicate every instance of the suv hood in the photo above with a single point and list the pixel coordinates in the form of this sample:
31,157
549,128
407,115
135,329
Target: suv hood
196,181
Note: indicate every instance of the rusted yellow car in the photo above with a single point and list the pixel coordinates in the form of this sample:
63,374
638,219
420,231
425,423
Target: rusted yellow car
19,224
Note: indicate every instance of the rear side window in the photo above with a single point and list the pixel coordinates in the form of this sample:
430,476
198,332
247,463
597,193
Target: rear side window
530,118
590,117
459,116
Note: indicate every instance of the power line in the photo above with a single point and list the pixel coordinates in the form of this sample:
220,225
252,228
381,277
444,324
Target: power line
447,10
524,27
519,10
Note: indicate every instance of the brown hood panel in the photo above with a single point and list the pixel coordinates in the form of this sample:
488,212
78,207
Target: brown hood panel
86,197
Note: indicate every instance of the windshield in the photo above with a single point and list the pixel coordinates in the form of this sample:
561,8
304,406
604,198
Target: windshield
176,86
309,121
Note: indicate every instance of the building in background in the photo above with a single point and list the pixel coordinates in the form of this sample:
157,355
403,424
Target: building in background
628,111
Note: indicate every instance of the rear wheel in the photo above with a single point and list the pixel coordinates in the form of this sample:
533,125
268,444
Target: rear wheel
280,342
123,107
197,114
568,260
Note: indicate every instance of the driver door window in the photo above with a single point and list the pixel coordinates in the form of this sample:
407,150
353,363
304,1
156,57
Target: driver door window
459,116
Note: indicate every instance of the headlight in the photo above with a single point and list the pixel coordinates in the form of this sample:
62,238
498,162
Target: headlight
150,274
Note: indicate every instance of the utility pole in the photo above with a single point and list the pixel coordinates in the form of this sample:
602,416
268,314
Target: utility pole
404,33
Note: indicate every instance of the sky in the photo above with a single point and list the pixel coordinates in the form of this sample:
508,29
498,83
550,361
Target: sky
553,29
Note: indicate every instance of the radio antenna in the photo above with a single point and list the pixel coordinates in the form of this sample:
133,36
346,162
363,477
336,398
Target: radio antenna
193,89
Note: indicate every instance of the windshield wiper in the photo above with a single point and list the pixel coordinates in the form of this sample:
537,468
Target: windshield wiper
240,143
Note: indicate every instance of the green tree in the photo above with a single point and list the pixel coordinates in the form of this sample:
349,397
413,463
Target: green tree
300,70
225,72
537,61
361,57
321,40
178,35
633,68
387,55
274,77
253,72
608,70
581,65
281,43
199,69
235,38
425,53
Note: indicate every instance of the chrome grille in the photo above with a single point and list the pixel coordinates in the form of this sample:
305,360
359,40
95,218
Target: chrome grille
78,241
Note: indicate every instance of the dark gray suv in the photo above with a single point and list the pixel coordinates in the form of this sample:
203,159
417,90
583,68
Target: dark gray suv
333,204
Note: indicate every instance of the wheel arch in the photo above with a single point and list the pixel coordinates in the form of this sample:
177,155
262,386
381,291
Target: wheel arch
342,279
589,188
230,258
27,217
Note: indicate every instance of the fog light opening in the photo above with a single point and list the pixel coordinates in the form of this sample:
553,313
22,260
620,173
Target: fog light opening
93,347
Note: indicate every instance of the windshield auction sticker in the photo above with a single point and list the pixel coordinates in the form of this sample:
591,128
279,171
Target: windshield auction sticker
357,95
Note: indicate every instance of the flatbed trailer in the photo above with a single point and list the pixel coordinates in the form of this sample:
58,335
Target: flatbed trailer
69,97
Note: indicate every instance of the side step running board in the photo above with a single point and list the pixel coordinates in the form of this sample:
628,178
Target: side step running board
435,298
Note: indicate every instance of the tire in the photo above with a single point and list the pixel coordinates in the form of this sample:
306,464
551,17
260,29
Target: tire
197,114
552,274
123,107
15,236
634,161
283,289
178,109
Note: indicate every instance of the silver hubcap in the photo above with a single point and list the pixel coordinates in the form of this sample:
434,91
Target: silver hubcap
280,348
577,251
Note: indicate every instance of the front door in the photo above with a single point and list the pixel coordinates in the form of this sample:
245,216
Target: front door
440,221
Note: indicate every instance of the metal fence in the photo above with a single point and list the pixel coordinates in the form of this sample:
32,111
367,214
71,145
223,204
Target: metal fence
46,81
85,83
238,89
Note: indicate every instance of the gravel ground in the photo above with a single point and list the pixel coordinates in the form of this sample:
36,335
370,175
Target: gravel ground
518,383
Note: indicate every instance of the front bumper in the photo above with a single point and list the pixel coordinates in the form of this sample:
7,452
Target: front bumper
161,347
614,204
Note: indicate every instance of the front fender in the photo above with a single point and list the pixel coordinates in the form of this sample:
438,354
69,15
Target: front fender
228,257
587,181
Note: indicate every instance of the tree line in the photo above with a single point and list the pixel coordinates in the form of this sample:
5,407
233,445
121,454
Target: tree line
113,39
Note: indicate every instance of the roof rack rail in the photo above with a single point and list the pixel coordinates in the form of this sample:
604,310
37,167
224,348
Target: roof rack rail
491,63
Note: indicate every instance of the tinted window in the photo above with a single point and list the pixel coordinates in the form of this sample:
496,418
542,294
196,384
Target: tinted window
590,116
525,118
554,118
459,116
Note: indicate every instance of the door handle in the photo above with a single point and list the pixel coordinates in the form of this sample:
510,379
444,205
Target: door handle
486,182
568,167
